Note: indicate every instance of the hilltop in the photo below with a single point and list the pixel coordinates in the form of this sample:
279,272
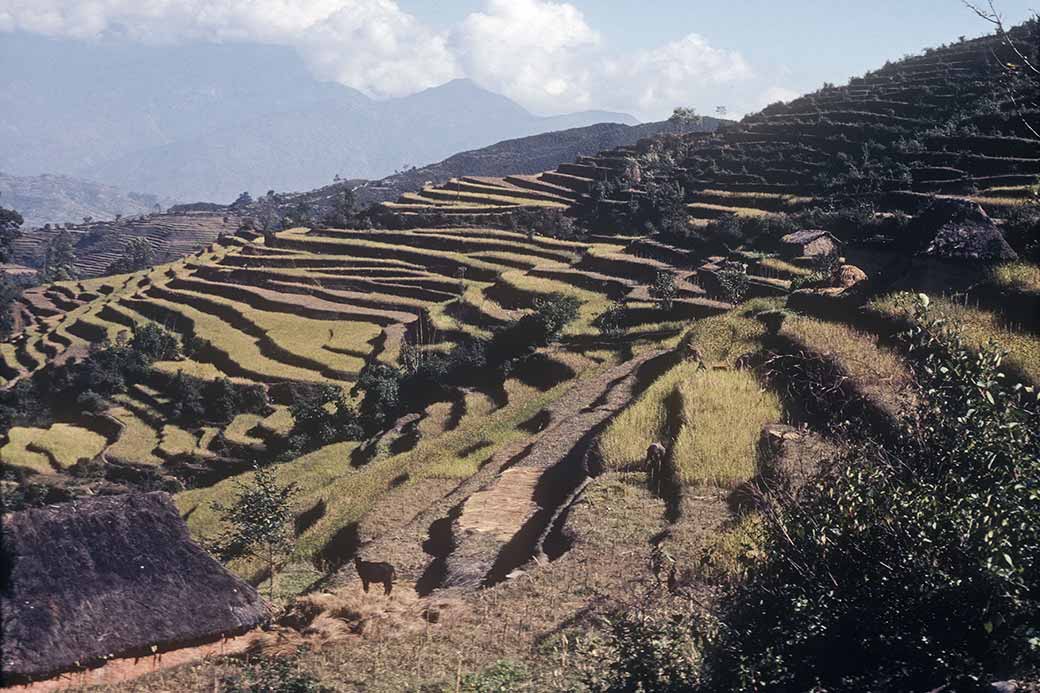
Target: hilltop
50,199
593,412
183,229
526,155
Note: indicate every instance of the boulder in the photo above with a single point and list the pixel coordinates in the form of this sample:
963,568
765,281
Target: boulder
847,276
960,230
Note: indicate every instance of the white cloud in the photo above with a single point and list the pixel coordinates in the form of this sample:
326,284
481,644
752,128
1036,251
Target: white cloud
678,73
530,50
777,93
542,53
371,45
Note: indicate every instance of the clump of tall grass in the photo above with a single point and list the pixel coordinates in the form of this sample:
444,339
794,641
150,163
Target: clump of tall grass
722,416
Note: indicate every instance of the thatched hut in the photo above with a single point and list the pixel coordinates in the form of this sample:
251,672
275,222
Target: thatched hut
105,577
809,243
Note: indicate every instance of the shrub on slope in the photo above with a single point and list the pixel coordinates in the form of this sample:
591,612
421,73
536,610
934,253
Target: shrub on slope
912,565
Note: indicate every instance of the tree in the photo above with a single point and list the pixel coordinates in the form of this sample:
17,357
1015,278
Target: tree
344,209
685,119
155,344
10,230
554,312
243,200
259,522
1022,67
611,322
137,255
9,292
59,259
733,283
664,290
10,225
381,404
322,416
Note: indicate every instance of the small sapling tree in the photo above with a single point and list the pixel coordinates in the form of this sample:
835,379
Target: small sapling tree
259,522
685,118
137,255
664,290
733,283
611,322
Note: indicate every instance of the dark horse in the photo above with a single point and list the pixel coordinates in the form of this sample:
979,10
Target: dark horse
375,572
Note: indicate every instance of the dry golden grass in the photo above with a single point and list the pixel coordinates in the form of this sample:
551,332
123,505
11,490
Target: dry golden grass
174,440
623,445
978,327
1017,276
783,268
16,453
878,372
723,415
64,443
536,620
137,442
239,347
696,207
238,431
721,339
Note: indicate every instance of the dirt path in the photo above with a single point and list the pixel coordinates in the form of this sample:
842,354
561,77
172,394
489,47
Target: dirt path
499,527
419,539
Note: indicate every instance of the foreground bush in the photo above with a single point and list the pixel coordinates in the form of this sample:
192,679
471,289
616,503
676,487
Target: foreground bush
907,567
271,675
642,652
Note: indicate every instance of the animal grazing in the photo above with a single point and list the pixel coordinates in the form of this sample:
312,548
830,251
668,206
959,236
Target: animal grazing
370,572
655,456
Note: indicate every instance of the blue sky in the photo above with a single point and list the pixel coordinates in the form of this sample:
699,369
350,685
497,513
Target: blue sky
552,56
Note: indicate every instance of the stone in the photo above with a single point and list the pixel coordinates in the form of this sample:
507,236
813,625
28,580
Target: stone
847,276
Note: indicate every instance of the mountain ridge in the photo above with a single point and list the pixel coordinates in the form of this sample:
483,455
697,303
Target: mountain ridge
229,118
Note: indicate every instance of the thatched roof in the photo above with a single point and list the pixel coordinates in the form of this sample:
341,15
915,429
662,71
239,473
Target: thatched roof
961,230
110,576
807,236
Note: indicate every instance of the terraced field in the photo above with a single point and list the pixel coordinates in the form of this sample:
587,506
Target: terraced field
314,307
99,244
600,451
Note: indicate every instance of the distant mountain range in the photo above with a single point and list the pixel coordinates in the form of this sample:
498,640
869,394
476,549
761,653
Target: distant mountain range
50,199
205,122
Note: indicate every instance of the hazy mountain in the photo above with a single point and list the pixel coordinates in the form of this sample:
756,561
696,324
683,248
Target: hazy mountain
62,199
208,121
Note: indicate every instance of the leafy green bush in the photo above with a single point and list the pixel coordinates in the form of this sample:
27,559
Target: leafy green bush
664,290
321,416
552,313
553,223
423,377
910,565
258,522
611,322
155,343
733,283
1022,230
643,652
137,255
501,677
